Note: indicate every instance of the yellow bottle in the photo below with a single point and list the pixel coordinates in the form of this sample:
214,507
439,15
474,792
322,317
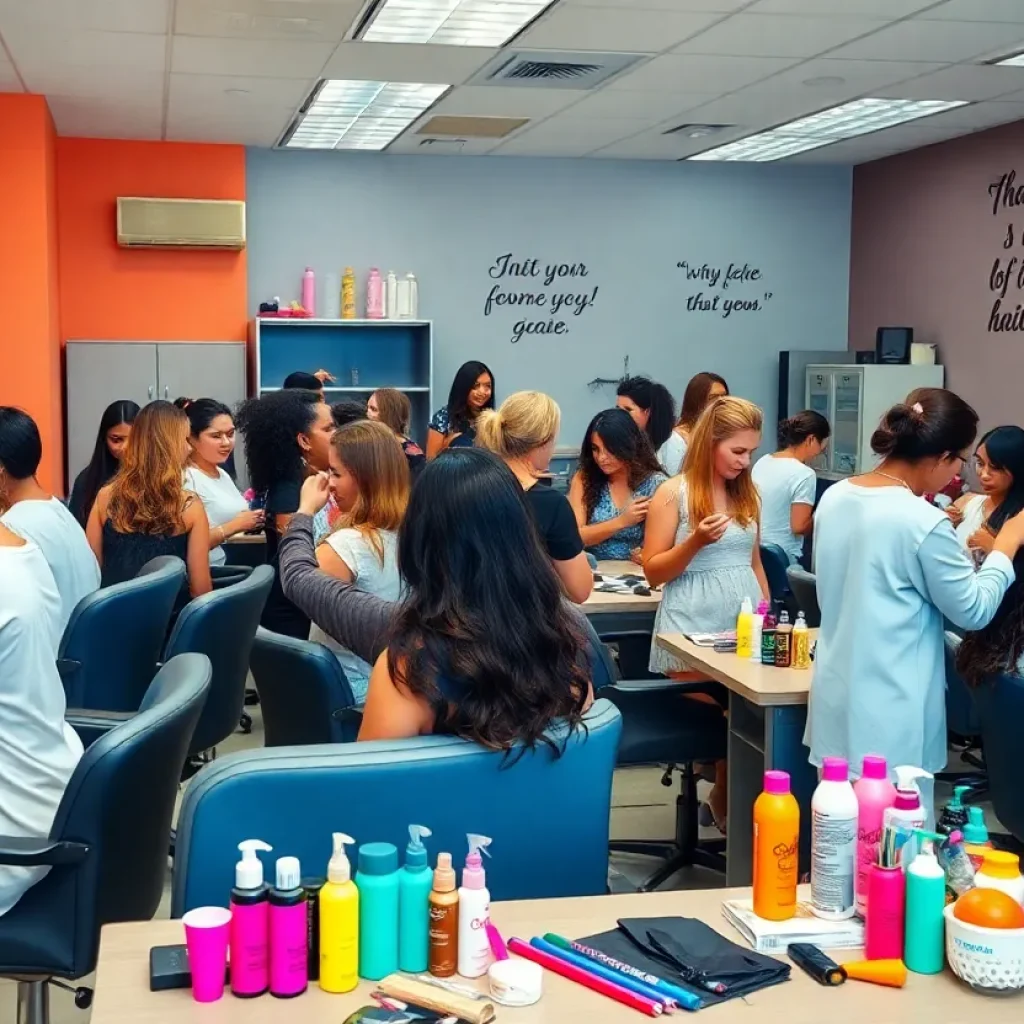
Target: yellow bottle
801,643
339,923
348,294
745,629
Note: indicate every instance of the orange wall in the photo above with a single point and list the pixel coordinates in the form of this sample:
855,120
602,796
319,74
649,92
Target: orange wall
30,349
114,294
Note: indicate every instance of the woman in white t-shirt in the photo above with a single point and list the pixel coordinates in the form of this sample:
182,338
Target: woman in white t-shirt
212,438
702,389
369,480
40,750
788,485
35,514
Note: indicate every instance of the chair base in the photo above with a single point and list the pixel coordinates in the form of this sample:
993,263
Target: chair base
33,1002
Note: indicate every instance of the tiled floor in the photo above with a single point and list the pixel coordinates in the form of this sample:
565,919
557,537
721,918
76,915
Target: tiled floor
642,808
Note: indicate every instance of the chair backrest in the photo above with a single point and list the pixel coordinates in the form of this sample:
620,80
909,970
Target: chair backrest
548,816
222,625
804,587
775,562
120,801
1000,702
302,688
961,711
106,675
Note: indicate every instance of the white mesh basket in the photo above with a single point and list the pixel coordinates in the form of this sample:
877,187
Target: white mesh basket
988,959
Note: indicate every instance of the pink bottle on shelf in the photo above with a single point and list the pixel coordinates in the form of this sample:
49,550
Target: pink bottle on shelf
309,291
874,794
884,923
250,924
374,295
289,948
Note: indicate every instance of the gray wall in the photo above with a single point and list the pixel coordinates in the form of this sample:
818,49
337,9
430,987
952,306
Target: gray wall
450,220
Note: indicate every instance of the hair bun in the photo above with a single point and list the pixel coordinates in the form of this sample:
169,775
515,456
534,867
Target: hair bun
900,423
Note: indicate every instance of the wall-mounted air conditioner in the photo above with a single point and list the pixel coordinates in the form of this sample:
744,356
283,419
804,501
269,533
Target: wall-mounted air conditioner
180,223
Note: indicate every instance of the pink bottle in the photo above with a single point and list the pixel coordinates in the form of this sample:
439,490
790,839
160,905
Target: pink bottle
375,295
289,948
250,924
309,291
883,925
874,794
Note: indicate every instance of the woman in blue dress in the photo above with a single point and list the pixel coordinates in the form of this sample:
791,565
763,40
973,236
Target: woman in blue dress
618,473
454,424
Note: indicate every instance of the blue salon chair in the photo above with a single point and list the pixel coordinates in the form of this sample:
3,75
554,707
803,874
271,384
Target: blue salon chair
775,562
803,587
1000,704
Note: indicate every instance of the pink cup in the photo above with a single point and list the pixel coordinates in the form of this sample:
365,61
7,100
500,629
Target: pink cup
206,938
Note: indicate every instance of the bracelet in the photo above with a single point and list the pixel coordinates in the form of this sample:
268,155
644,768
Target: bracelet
223,534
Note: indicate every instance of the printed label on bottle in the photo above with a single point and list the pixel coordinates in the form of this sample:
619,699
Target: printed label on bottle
768,648
786,855
868,841
782,652
833,855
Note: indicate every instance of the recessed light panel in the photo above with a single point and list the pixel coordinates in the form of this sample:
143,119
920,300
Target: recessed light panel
451,22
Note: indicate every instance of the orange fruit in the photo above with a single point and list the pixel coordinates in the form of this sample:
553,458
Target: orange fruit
989,908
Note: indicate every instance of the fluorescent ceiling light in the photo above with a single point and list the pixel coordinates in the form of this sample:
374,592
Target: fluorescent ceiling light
847,121
1016,61
361,115
451,22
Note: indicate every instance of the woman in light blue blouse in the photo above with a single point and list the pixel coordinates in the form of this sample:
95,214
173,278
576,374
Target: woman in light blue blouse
618,474
889,567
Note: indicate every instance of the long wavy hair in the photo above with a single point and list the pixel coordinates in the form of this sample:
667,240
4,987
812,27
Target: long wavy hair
624,440
373,456
148,495
723,418
484,609
102,466
394,409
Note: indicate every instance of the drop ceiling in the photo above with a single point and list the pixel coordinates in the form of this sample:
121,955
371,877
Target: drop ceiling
237,71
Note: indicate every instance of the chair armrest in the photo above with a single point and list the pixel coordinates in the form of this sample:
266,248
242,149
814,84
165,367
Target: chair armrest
40,851
92,724
67,667
658,686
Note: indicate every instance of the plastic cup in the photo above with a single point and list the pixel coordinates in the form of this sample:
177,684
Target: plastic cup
206,938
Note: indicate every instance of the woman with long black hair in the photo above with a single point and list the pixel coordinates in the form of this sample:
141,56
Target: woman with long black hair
651,406
454,424
115,427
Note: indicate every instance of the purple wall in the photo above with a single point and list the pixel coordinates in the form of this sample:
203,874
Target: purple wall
928,228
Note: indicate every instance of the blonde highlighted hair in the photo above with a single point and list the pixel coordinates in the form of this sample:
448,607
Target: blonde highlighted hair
394,409
723,418
524,421
373,455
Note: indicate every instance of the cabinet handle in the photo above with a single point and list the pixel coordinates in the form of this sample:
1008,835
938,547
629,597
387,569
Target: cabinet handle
150,389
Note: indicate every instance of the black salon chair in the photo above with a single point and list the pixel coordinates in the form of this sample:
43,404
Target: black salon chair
1000,703
107,849
803,586
775,562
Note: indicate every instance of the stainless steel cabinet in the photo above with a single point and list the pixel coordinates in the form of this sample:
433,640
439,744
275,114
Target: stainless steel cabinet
101,372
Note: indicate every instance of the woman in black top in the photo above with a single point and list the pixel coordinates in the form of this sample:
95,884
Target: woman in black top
287,437
115,426
523,432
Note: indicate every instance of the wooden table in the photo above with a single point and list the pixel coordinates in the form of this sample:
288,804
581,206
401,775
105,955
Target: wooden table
619,604
123,996
767,717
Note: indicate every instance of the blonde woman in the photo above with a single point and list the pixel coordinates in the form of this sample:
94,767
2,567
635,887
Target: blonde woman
523,433
701,541
393,408
369,481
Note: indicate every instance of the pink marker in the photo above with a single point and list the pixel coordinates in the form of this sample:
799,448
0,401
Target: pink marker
498,947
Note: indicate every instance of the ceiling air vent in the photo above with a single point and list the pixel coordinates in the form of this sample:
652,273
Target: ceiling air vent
697,131
552,70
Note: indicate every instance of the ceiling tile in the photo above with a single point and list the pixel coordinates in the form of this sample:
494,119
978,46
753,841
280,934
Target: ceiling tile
112,84
569,136
200,90
919,39
654,144
86,48
826,77
406,62
700,73
891,9
193,55
618,30
779,35
655,106
266,19
960,82
125,119
494,101
980,10
147,16
717,6
220,123
409,142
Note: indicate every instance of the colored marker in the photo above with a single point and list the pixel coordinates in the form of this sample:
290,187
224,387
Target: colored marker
584,964
686,999
497,943
567,970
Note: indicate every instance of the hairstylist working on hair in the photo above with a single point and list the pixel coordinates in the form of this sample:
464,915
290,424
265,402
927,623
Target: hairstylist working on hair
889,567
455,423
703,387
523,432
212,439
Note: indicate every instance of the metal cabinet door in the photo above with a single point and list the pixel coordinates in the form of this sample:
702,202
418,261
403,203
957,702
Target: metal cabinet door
98,373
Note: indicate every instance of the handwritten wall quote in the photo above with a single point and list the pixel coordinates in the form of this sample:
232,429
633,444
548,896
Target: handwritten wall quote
549,295
1006,194
714,281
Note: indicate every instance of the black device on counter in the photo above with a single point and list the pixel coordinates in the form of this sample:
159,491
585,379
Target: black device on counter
168,968
892,344
823,969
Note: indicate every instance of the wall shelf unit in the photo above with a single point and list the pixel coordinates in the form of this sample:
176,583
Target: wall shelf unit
363,355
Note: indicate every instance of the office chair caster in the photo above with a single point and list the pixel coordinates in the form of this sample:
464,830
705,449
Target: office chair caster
83,995
251,698
245,723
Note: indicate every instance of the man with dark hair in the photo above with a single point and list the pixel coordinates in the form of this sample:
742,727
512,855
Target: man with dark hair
308,381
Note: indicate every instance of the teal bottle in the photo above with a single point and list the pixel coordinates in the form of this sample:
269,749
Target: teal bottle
377,882
415,881
924,943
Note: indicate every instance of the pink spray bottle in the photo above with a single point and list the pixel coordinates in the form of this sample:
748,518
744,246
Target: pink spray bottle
309,291
874,794
250,923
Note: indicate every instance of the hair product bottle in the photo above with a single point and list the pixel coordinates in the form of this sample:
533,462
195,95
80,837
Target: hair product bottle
250,924
924,951
289,970
414,296
757,626
768,639
474,912
309,291
875,793
377,881
783,642
339,922
348,294
414,885
833,842
311,887
801,643
954,814
883,923
444,920
776,849
907,813
745,628
391,296
374,295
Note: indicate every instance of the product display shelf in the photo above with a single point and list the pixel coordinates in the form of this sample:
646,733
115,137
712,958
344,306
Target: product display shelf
363,355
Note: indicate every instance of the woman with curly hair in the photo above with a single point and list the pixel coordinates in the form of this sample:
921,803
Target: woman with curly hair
145,511
617,475
287,437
